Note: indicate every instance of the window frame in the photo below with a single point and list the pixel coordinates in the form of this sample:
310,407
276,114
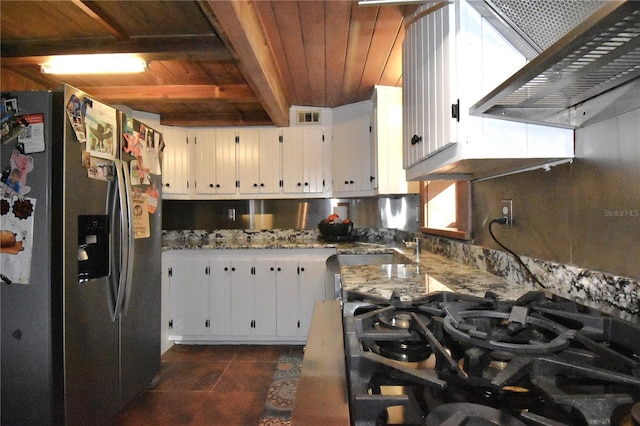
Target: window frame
463,230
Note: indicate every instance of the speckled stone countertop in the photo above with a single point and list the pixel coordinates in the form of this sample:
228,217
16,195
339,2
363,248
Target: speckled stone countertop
443,265
431,273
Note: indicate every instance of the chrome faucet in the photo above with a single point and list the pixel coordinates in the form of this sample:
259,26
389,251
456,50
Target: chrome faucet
417,241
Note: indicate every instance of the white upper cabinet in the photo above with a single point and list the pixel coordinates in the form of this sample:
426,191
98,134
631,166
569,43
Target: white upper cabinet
175,163
452,57
429,84
352,150
215,161
390,177
303,160
259,161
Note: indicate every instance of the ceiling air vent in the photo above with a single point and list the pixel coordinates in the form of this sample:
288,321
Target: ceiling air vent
308,117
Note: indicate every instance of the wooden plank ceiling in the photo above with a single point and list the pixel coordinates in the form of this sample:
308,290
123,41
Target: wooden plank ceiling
211,63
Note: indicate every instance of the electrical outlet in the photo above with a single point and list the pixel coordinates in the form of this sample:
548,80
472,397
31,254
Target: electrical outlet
507,211
231,214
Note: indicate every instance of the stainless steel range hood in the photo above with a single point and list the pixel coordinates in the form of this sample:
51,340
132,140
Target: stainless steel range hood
579,61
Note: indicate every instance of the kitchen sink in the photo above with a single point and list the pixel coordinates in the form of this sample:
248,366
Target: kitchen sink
373,259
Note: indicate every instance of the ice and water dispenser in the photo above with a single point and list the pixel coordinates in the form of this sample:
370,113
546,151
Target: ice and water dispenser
93,247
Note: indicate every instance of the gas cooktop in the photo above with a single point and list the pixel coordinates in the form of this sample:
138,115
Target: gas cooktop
457,359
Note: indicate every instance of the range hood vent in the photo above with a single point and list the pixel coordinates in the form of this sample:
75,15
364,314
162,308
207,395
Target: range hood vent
599,54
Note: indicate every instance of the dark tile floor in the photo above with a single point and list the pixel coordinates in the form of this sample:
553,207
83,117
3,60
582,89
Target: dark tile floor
207,385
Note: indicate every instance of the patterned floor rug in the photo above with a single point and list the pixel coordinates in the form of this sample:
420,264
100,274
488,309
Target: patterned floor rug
282,391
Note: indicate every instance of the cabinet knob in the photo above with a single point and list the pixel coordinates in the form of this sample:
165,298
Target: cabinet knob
167,184
272,268
255,185
262,184
372,178
233,269
351,182
346,182
299,184
217,185
306,184
416,139
210,185
279,269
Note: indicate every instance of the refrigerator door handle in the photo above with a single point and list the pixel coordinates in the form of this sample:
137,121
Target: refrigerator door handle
129,246
123,251
113,194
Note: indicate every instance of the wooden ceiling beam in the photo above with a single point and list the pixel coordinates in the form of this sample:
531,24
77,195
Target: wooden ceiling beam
173,93
238,24
201,46
94,12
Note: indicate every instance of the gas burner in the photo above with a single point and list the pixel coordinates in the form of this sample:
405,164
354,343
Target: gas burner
464,413
515,331
401,351
395,320
388,323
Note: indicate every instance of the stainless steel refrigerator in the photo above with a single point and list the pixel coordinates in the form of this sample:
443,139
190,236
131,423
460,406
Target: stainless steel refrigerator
81,317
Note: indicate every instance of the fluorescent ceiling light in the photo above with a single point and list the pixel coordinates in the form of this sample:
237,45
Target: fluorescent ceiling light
94,64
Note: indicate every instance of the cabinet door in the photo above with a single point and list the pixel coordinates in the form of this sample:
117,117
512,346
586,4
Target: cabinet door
220,296
287,297
179,296
311,279
242,296
313,159
175,162
215,161
249,161
267,274
204,145
259,161
387,143
352,148
429,50
293,180
303,159
199,298
189,297
225,161
270,158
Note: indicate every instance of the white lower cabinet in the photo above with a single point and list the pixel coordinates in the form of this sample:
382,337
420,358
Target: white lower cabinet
311,287
220,278
199,293
188,293
253,299
243,295
300,282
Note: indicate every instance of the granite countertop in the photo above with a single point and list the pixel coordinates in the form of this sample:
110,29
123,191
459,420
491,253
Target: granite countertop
431,273
245,240
411,280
